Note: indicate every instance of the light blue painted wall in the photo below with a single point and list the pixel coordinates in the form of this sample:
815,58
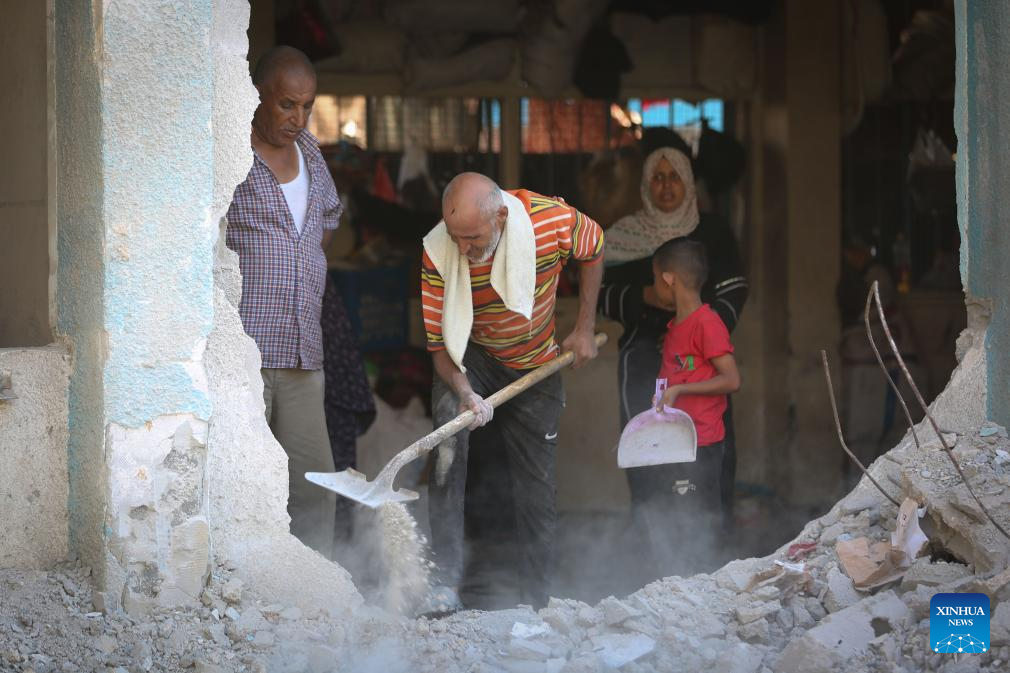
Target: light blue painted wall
982,119
157,151
135,96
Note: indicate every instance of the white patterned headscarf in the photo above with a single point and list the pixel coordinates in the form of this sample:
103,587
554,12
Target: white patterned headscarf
638,235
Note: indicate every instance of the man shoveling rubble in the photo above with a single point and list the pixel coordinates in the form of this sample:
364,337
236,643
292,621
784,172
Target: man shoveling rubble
489,282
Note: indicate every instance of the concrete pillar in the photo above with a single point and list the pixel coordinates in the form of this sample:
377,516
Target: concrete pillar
81,269
812,246
982,120
761,407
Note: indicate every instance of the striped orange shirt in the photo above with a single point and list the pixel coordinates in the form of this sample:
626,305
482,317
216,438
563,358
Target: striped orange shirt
562,233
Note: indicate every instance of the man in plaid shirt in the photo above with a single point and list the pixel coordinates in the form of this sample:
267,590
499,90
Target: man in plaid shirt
279,222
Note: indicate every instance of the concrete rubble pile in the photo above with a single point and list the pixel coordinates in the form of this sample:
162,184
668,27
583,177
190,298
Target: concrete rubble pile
794,611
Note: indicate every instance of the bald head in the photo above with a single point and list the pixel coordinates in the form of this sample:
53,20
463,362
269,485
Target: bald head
286,82
281,61
474,214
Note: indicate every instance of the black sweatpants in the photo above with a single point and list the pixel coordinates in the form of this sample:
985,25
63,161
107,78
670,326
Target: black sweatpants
529,428
678,508
655,512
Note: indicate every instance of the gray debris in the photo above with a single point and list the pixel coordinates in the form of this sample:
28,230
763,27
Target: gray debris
748,611
841,592
924,573
231,592
999,626
843,635
207,667
830,534
617,649
523,648
616,612
263,640
291,614
755,632
739,658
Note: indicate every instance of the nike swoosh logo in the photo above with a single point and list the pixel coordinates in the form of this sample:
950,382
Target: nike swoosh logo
550,435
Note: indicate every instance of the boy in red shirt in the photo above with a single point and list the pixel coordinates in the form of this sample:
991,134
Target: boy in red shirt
683,518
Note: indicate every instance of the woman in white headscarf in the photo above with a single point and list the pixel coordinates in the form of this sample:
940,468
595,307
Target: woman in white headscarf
670,210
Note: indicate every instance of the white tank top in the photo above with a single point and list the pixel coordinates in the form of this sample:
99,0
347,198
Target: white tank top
296,193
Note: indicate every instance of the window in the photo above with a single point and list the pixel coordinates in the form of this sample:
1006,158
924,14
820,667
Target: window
336,118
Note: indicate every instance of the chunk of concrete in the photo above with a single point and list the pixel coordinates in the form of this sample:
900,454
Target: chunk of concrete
748,611
617,649
707,625
231,592
859,500
738,575
924,573
784,618
616,612
843,635
801,616
524,648
831,533
587,616
558,619
739,658
524,630
841,592
755,632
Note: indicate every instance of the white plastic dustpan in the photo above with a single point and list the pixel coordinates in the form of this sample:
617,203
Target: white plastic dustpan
658,437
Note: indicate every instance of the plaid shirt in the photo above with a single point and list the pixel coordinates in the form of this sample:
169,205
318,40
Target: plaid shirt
283,274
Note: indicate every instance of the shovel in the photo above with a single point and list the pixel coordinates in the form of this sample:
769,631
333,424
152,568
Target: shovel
658,437
354,485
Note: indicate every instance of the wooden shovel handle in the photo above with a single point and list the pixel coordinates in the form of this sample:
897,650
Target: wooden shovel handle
534,377
433,439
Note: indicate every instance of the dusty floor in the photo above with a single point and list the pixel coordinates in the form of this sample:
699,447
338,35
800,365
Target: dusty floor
771,614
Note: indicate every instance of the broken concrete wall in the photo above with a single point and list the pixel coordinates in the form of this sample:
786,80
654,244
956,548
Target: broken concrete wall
158,176
154,105
33,457
247,471
983,178
247,478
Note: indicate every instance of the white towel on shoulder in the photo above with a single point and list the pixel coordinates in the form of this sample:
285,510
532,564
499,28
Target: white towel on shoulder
513,275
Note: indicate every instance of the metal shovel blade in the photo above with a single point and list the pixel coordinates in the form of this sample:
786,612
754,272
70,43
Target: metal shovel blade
354,485
658,438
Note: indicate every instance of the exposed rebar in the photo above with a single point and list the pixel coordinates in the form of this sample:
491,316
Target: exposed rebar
883,367
841,437
875,292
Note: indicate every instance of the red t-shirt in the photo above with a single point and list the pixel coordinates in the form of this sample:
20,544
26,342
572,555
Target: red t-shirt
688,350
